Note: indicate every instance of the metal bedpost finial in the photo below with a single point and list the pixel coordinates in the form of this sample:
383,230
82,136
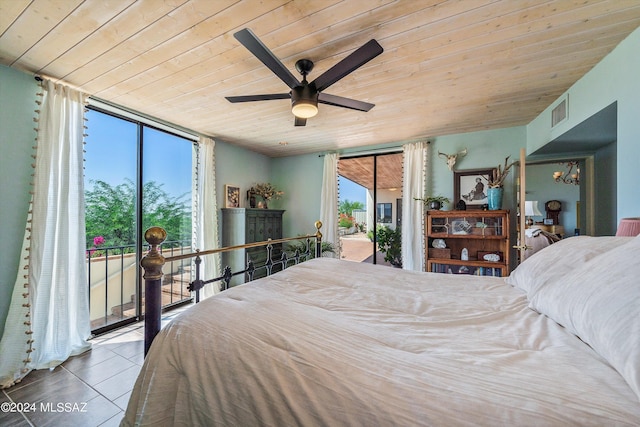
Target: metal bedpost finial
318,225
153,261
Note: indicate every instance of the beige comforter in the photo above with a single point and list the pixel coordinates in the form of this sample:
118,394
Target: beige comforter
333,343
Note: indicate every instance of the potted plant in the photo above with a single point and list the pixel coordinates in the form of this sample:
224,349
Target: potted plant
301,246
434,202
390,244
496,182
267,191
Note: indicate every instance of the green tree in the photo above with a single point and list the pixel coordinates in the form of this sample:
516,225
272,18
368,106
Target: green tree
110,212
347,207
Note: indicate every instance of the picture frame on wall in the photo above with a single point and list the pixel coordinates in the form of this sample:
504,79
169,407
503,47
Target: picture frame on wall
471,187
231,196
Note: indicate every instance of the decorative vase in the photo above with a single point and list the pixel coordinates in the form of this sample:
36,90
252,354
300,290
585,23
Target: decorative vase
494,198
435,205
264,205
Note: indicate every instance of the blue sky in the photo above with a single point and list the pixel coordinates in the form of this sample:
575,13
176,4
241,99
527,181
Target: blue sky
111,154
351,191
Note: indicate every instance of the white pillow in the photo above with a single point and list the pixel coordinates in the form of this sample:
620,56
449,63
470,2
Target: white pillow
600,303
559,259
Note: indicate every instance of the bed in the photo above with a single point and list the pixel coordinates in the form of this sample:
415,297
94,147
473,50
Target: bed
332,343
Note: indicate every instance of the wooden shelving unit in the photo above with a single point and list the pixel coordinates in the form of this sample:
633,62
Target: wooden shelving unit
481,233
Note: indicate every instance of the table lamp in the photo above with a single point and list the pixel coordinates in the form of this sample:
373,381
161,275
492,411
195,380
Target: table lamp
629,227
531,210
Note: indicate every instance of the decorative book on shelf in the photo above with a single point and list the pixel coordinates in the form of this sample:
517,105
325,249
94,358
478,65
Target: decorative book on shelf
484,235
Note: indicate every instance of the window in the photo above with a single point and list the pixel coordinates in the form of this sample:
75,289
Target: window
384,213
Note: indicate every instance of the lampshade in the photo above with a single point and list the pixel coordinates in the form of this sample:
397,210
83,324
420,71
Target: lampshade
531,208
629,227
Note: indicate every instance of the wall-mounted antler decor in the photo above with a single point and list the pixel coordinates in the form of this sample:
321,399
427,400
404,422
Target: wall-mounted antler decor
451,158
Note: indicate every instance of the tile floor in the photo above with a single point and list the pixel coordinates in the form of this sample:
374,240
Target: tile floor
91,389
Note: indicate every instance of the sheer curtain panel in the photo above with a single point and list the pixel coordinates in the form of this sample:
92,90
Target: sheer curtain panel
48,319
413,186
206,212
329,202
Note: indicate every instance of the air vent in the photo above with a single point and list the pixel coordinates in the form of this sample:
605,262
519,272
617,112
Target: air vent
560,112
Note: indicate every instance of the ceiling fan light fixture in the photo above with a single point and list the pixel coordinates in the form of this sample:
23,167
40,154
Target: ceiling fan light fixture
304,102
304,109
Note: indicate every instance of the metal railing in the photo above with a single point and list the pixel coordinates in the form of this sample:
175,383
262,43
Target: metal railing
111,278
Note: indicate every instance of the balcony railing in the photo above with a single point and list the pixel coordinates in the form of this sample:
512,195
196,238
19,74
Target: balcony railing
111,277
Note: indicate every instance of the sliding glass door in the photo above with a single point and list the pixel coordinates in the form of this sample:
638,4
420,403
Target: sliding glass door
136,176
166,202
370,191
110,215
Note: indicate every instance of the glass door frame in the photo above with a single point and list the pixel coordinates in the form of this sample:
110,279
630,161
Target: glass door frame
374,156
139,181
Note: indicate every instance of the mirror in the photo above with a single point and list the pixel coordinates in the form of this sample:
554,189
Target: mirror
542,187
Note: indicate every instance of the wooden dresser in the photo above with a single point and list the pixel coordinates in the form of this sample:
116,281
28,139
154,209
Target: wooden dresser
248,225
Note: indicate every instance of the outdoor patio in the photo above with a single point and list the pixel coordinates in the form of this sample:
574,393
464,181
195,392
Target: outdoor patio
357,248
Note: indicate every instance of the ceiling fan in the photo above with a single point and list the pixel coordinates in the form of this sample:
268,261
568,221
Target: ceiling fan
304,95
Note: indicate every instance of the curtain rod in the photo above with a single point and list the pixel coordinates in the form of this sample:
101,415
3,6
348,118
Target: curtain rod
387,150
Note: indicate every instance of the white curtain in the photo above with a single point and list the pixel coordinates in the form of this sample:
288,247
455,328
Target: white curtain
206,213
413,186
329,202
48,319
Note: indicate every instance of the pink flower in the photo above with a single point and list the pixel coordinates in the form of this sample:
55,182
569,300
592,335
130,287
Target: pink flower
98,240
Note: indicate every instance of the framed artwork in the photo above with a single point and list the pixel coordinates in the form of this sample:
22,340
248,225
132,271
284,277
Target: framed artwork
231,196
471,187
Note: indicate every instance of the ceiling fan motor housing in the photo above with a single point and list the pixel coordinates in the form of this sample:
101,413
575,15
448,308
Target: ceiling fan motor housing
304,101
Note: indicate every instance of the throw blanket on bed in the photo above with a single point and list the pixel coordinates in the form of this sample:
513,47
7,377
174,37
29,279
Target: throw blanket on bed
333,343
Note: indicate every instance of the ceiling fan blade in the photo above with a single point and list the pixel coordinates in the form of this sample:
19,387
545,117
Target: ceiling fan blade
300,121
249,98
255,46
356,59
340,101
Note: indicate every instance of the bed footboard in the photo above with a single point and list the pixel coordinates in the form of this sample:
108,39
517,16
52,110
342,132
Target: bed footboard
153,262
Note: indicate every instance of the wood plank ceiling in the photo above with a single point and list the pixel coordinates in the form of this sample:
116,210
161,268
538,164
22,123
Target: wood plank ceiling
361,171
447,67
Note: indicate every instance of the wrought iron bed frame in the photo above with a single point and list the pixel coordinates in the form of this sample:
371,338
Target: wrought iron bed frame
153,262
